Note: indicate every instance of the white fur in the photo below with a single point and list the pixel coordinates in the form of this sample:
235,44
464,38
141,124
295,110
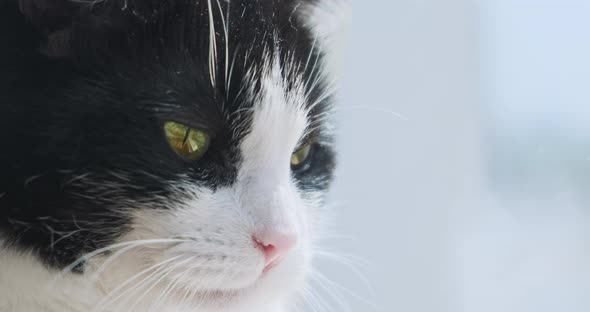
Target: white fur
330,22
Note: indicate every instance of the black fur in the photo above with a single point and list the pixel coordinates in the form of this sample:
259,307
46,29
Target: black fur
85,90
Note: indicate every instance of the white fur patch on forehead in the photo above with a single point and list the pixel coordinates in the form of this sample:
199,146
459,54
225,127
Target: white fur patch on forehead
280,119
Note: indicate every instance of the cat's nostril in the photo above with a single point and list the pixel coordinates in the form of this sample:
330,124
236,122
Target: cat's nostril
275,246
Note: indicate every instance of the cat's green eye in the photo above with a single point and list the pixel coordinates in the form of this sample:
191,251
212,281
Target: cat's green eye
300,156
187,142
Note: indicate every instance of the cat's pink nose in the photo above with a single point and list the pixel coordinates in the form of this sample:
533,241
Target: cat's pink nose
275,246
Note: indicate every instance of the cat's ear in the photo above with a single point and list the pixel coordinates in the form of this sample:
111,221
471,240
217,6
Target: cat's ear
53,19
329,20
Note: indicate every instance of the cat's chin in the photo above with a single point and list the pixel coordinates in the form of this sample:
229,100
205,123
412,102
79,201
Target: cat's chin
273,283
259,295
269,287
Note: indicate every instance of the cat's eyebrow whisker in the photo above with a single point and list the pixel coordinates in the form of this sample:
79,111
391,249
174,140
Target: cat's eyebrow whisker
313,71
319,77
231,70
212,47
311,52
226,32
326,94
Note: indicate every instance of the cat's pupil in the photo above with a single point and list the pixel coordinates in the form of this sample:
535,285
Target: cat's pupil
188,131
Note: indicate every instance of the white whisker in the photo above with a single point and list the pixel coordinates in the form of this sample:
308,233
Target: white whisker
90,255
310,53
373,109
323,279
157,281
108,300
171,286
212,47
226,33
330,291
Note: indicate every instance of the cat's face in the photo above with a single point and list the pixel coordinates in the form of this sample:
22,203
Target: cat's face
179,151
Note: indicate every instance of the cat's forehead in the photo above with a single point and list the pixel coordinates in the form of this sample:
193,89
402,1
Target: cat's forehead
205,62
212,38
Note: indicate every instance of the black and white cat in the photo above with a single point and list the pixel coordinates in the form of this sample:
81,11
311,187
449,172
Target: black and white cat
162,155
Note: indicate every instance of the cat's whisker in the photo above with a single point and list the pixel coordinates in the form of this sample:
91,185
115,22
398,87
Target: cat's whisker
305,300
233,63
311,51
171,286
217,281
326,94
192,296
332,292
157,281
353,263
315,301
136,243
325,237
226,33
185,297
198,287
371,109
347,259
325,280
111,259
320,78
157,267
212,47
313,70
139,289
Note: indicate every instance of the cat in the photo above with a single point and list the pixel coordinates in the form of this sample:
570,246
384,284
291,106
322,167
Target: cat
162,155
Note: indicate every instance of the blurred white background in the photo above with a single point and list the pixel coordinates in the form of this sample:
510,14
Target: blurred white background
464,158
